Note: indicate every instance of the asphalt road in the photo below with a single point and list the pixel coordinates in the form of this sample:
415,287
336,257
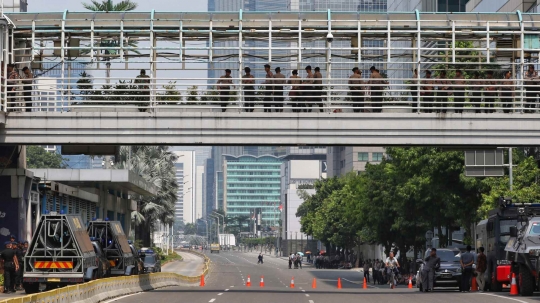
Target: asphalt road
191,265
229,272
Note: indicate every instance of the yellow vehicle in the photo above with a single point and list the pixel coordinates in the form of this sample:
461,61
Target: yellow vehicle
214,247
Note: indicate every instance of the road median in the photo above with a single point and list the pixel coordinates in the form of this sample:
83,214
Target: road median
109,288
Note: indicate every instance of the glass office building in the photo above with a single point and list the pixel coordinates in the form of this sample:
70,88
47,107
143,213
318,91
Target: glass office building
252,182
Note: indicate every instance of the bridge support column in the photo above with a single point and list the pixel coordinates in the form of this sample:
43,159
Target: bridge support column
15,186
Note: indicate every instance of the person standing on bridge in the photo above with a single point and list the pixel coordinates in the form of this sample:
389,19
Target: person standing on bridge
476,94
356,86
318,87
507,92
444,92
294,93
28,81
308,93
269,89
143,82
13,79
427,92
531,85
377,83
248,81
279,81
224,86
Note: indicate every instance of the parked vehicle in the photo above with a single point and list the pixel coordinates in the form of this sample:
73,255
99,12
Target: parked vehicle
151,260
449,273
115,246
60,254
523,249
505,253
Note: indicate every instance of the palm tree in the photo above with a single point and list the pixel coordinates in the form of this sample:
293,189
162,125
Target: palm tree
108,6
156,165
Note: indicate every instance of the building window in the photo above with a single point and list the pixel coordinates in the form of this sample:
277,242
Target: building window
363,157
377,157
342,163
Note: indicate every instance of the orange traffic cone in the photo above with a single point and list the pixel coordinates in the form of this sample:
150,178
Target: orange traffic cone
314,284
292,282
202,280
410,282
262,282
248,283
474,286
365,284
513,287
339,283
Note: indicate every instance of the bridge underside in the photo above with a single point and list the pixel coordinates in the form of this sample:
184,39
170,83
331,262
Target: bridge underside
234,128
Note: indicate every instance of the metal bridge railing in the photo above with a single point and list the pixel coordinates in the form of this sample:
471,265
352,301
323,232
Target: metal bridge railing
334,95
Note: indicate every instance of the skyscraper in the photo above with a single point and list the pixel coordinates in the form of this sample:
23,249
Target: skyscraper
253,182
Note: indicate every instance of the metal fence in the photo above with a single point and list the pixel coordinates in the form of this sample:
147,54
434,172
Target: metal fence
87,61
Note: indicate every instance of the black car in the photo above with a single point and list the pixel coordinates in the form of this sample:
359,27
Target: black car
151,261
449,273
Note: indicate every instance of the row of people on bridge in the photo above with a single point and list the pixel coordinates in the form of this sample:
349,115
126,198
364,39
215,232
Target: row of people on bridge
305,92
433,91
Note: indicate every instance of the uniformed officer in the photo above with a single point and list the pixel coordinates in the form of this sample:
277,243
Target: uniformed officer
19,273
11,265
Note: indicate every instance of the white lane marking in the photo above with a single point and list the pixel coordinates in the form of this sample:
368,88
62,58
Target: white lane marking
220,294
307,295
502,297
300,287
310,301
122,297
303,291
232,286
227,289
212,300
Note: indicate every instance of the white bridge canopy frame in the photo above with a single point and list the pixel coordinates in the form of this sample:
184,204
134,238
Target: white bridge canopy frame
173,41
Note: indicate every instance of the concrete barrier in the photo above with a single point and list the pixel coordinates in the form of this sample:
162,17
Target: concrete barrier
104,289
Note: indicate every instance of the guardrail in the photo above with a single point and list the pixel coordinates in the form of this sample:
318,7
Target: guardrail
103,289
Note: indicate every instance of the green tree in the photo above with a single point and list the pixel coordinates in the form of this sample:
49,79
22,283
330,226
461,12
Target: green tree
525,187
190,229
171,96
156,165
109,6
38,157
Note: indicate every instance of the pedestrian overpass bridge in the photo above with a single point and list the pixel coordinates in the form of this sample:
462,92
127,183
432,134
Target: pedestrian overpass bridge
87,87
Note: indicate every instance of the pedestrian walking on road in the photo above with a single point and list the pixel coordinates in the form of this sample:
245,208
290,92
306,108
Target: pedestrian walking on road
260,259
367,265
290,262
481,266
428,272
467,261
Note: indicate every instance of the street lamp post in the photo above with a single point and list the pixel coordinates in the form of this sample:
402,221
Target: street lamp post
223,217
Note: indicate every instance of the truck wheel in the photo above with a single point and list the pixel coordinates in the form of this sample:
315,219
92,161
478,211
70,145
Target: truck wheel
495,285
526,281
31,288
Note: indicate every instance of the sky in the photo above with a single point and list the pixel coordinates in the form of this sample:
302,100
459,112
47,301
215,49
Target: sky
143,5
